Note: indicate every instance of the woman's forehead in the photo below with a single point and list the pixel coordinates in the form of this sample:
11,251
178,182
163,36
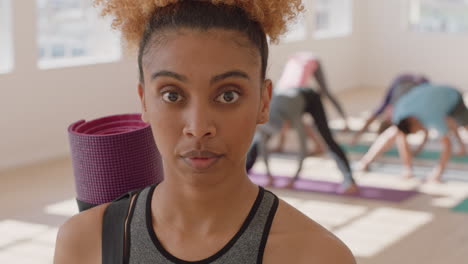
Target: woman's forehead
202,50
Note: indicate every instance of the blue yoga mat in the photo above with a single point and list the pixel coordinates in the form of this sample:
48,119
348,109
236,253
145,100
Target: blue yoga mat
426,155
461,207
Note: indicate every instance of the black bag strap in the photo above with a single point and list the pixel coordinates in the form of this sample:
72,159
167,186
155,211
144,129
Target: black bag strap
83,206
113,229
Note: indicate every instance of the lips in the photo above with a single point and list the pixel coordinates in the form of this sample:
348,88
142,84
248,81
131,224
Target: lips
200,160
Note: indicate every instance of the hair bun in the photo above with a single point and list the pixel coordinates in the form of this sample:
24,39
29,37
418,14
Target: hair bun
131,16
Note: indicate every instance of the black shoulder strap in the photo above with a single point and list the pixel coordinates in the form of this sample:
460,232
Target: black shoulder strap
83,206
113,229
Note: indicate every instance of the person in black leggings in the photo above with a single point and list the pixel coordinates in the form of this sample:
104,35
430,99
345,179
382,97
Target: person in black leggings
289,106
325,91
298,72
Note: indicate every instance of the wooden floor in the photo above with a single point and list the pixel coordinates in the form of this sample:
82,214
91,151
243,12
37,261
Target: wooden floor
37,198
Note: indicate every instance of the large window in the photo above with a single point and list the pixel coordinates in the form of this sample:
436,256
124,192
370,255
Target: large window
333,18
71,32
6,42
438,15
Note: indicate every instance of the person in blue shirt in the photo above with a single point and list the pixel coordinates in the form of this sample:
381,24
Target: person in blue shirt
427,106
401,85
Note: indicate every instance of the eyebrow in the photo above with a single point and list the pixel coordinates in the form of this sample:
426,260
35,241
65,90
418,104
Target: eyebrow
174,75
229,74
217,78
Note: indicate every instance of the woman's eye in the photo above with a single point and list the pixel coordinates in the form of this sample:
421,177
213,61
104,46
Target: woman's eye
172,97
228,97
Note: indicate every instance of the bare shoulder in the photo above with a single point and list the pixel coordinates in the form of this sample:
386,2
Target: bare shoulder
295,238
79,238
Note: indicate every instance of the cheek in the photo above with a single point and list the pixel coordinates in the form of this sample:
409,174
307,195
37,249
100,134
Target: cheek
166,129
238,130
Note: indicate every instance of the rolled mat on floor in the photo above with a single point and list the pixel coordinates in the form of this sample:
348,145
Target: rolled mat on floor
112,156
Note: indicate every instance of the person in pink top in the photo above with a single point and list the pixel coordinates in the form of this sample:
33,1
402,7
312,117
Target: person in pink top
300,71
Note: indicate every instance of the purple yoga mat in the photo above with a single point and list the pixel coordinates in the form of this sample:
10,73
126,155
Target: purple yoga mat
375,193
111,156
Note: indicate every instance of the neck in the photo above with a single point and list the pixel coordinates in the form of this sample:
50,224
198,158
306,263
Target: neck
196,204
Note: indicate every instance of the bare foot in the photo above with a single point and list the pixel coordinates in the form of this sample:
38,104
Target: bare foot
346,128
435,176
407,175
290,184
436,180
351,189
316,152
270,181
319,150
277,150
362,166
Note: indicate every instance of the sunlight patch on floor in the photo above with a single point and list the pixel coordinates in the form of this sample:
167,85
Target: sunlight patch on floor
382,227
64,208
330,215
24,243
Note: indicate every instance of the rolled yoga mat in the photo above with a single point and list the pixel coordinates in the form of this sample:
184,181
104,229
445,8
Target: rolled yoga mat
112,156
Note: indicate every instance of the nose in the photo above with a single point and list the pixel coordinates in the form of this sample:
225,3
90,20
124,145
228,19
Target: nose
199,122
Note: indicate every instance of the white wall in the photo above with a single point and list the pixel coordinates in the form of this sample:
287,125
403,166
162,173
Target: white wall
38,105
5,43
341,57
389,48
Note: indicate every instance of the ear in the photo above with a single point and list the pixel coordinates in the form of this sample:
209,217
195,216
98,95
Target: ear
141,93
265,98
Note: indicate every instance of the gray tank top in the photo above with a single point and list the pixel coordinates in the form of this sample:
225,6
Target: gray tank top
246,247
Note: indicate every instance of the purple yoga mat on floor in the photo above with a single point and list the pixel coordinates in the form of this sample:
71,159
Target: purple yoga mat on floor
111,156
366,192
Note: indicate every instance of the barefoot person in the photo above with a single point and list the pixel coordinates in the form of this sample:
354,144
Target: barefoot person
301,70
427,106
290,106
399,87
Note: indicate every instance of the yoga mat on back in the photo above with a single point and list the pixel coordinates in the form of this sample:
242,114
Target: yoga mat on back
112,156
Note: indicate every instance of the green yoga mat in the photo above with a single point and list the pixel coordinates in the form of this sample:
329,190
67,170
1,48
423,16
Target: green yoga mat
427,155
461,207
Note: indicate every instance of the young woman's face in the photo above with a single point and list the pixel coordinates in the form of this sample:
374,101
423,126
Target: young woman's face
203,96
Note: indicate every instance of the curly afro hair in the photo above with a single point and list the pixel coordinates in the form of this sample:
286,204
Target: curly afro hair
131,16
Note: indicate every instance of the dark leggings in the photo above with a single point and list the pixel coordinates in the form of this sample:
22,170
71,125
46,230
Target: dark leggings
251,156
320,78
315,108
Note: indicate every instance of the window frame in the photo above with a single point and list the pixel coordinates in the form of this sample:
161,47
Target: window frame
83,17
335,30
416,23
6,36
